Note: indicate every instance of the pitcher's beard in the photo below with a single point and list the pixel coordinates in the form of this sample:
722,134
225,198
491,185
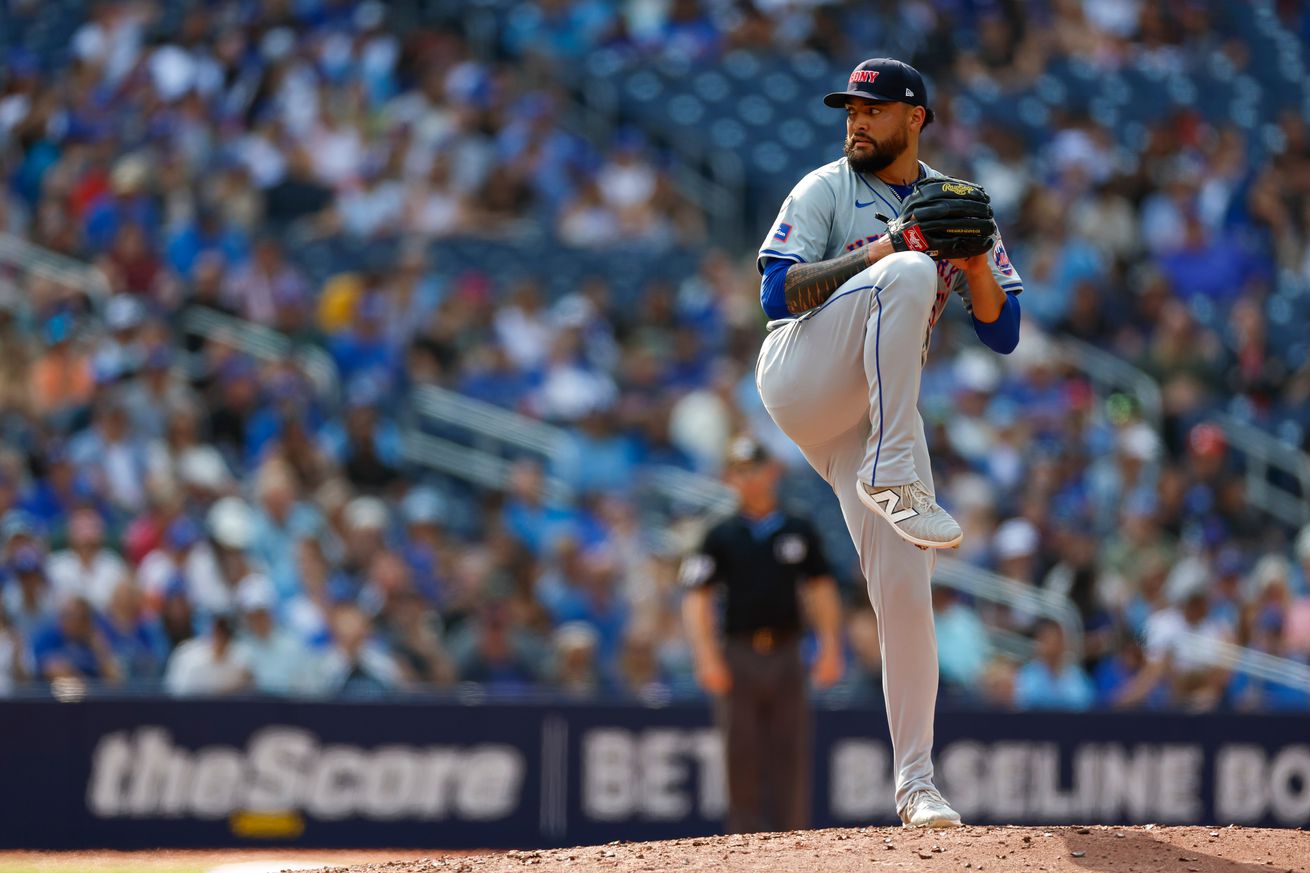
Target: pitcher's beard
879,157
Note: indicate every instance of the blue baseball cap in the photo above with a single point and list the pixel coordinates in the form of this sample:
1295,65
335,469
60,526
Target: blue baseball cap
17,523
176,585
885,80
56,452
159,358
424,506
27,560
58,328
182,533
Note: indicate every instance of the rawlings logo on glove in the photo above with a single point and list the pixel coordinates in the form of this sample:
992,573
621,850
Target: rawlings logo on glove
914,239
945,219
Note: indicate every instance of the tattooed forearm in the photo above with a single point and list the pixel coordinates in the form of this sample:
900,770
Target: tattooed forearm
809,285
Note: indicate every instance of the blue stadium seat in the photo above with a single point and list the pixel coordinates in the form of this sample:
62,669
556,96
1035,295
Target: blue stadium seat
727,133
643,86
712,86
686,110
742,66
756,111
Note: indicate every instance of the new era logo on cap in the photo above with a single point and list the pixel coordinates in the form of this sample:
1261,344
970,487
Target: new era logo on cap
909,93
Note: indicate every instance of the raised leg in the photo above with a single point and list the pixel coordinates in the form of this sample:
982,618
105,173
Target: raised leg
857,359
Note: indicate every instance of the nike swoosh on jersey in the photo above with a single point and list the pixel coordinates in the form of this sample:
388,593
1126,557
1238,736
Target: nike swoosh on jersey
859,205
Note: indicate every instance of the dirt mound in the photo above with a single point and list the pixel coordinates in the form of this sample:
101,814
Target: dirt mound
1147,849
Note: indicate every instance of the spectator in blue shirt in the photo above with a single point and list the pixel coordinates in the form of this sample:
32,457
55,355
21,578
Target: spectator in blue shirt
113,455
279,662
1048,681
963,648
598,456
530,515
136,640
493,648
1205,266
583,587
490,376
207,234
128,202
74,646
19,528
362,349
557,29
1123,679
281,520
28,598
50,499
425,513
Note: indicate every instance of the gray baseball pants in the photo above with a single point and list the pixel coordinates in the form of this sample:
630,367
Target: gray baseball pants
843,383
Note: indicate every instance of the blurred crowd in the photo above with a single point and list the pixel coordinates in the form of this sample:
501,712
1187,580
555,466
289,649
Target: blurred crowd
1173,230
1180,242
172,509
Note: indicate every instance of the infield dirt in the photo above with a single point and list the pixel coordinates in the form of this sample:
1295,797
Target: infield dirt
1148,849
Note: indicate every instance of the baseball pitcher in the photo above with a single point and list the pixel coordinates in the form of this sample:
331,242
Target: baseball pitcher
864,256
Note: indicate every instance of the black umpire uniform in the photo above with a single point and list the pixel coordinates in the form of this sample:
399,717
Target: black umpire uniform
761,561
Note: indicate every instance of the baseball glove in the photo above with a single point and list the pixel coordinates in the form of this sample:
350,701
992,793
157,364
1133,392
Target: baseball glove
944,218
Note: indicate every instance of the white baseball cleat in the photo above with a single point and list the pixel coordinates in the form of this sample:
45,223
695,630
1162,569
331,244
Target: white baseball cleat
912,513
927,809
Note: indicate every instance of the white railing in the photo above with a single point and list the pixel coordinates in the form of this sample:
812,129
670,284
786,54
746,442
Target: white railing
709,495
264,343
471,465
1111,373
487,420
63,270
492,427
1016,646
1264,454
1251,662
1024,600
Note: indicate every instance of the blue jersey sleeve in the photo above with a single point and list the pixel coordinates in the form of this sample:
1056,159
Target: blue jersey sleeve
772,294
1001,335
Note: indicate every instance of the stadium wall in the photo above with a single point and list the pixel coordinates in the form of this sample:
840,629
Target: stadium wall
139,773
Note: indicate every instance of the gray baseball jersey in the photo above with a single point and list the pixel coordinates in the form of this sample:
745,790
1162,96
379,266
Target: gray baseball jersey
834,210
842,381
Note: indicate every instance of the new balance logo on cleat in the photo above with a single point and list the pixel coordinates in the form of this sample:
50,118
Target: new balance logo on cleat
913,514
888,500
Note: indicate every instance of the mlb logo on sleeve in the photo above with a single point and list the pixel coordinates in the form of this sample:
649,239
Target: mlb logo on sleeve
783,232
1002,260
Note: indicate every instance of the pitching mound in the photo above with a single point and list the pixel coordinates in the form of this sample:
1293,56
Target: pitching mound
1147,849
